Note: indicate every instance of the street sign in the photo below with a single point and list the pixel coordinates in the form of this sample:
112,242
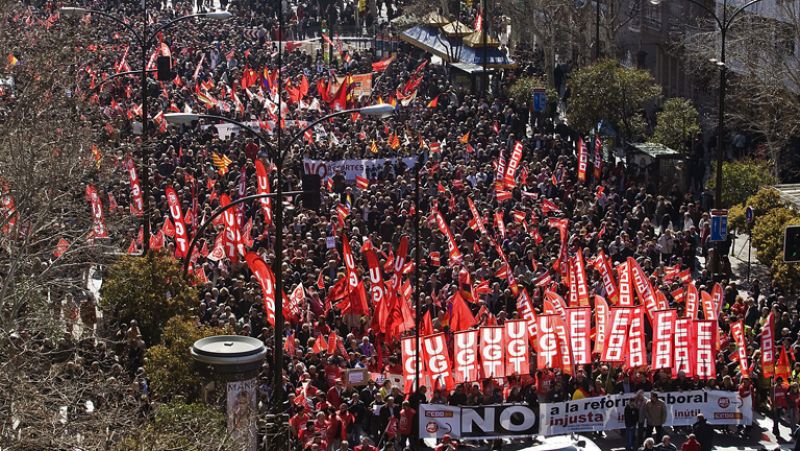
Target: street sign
539,100
791,244
719,225
748,214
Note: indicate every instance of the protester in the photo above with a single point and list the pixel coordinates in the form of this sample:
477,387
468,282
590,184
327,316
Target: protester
666,444
691,444
704,433
656,414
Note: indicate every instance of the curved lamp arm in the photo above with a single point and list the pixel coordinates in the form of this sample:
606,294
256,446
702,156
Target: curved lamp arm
739,10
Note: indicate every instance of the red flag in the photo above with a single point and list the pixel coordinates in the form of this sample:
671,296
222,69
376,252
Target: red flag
181,236
434,102
692,302
332,343
426,328
380,66
625,285
99,224
603,264
168,228
289,346
581,283
460,317
320,281
62,246
362,183
266,279
783,369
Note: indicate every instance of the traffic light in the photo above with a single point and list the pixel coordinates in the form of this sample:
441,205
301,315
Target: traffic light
164,68
312,191
791,244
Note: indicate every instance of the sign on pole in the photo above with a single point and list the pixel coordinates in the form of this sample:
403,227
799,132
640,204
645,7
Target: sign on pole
719,225
539,100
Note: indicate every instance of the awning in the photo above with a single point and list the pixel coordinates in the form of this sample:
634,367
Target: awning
456,28
433,41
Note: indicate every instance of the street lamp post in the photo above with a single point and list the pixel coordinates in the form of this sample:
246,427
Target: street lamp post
145,41
597,31
724,23
277,157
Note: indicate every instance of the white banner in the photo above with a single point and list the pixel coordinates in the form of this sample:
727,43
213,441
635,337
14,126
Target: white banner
607,412
477,422
351,168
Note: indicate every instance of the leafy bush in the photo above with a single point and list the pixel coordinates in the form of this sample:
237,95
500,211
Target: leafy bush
742,179
764,201
736,217
149,289
169,365
677,121
178,425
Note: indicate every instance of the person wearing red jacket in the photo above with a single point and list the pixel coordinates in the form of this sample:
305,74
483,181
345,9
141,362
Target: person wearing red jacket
334,395
691,444
365,445
406,426
346,419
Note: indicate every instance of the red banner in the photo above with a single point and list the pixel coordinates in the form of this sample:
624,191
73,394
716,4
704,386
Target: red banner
262,187
137,204
513,165
643,288
516,344
526,312
437,360
768,346
598,157
492,352
349,264
409,355
99,224
616,342
583,160
580,275
466,356
704,343
625,285
455,254
603,264
601,321
692,302
637,355
663,346
232,238
181,236
547,342
737,333
477,217
579,325
266,279
564,348
683,334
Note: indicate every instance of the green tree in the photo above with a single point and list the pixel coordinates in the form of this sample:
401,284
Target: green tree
767,237
150,290
169,364
742,179
675,123
608,92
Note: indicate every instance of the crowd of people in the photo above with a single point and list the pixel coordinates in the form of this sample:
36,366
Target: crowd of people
231,68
